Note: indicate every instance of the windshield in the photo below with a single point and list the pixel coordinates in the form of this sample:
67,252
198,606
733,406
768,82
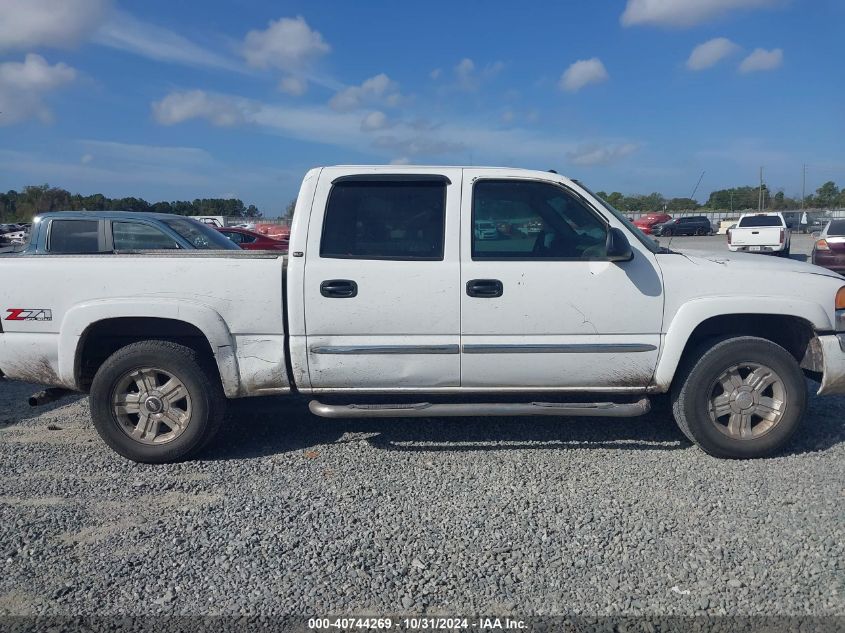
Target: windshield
649,243
752,221
201,236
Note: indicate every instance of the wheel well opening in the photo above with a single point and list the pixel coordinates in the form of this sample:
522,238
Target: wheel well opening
792,333
103,338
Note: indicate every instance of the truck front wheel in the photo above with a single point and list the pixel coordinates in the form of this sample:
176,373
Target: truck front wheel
154,402
741,397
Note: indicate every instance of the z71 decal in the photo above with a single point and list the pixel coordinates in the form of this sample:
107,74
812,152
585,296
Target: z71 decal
29,314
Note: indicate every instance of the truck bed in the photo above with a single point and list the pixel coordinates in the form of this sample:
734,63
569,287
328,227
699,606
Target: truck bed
234,298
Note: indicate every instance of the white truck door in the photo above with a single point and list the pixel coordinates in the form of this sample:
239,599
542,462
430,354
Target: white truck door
540,308
382,274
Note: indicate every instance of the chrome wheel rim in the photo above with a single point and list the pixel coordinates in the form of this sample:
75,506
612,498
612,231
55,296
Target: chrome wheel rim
747,401
152,406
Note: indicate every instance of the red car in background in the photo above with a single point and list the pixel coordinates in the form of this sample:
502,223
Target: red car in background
650,220
274,231
252,241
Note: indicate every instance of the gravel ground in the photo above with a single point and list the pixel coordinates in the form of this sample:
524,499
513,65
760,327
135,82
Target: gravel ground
292,514
289,513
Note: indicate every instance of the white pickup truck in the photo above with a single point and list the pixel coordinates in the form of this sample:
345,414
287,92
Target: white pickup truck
390,305
761,233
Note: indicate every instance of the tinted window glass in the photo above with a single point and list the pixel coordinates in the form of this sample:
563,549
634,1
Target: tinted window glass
235,237
837,227
201,236
385,220
534,220
133,236
74,236
760,220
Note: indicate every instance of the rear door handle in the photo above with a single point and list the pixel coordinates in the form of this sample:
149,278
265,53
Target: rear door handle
339,288
485,288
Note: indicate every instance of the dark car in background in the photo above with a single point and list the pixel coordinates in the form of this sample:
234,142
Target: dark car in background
829,249
252,241
88,232
687,225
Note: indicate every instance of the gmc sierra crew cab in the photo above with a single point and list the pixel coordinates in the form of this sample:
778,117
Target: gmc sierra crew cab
761,233
389,304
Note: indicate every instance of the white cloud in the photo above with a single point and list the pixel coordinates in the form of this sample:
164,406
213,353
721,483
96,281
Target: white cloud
415,139
435,74
467,77
402,160
375,120
127,33
380,89
295,86
28,24
596,154
582,73
710,53
684,13
86,158
23,86
220,110
761,59
288,44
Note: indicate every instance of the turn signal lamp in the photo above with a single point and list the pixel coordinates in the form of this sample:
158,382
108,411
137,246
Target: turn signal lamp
822,245
840,299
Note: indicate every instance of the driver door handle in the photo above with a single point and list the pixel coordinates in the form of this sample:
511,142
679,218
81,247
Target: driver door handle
485,288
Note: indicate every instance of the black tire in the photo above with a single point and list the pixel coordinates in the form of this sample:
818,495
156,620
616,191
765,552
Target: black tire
207,401
700,232
666,233
786,252
691,394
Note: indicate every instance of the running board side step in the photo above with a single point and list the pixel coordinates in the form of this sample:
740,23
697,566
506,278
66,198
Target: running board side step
429,410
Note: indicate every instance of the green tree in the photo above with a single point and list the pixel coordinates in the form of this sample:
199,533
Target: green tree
289,210
827,194
682,204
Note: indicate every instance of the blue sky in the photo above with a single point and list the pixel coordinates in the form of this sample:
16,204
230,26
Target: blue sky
178,99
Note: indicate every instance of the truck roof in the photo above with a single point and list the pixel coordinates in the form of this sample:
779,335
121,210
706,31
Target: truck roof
108,215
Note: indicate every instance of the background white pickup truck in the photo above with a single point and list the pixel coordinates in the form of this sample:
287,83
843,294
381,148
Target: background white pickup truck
761,233
390,305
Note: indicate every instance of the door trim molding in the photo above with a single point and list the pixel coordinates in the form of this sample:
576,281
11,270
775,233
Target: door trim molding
558,348
385,349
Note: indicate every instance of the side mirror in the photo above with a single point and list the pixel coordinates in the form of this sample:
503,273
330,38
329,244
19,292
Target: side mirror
617,247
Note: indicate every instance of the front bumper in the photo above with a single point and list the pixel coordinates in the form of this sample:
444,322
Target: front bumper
829,353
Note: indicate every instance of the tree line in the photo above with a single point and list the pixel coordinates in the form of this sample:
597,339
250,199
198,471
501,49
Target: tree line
21,206
828,196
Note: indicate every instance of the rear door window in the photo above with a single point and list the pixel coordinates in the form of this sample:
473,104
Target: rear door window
74,236
391,219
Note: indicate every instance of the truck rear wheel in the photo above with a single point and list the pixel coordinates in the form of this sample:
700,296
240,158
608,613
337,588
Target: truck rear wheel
740,397
154,402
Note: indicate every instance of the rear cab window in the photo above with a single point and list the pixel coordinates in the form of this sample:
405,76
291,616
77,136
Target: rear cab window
757,221
391,219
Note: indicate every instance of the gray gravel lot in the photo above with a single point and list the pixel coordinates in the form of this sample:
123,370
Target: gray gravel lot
289,513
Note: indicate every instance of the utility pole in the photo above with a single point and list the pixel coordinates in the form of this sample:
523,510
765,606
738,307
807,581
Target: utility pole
760,196
803,185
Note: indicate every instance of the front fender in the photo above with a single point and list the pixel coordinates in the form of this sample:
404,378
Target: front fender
693,313
82,316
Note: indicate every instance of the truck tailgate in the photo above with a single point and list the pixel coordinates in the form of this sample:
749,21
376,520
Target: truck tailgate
758,236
